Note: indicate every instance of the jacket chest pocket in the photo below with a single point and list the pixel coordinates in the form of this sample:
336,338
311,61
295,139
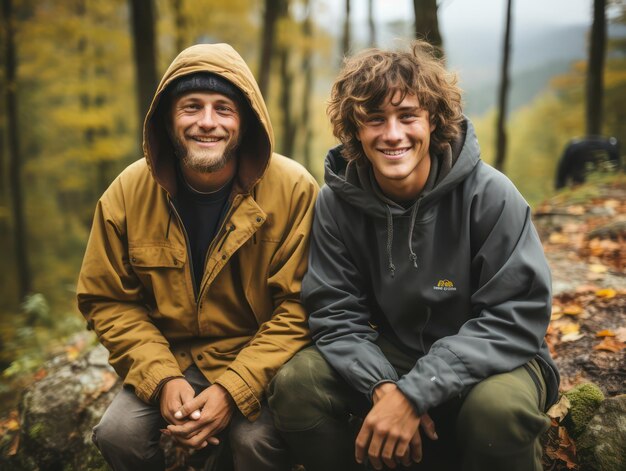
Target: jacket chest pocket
161,271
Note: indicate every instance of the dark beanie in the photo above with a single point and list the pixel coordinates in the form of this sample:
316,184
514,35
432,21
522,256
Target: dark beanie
205,81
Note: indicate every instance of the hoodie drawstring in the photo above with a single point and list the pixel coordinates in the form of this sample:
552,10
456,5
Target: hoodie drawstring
412,255
392,268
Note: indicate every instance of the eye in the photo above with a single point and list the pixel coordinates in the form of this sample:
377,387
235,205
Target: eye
408,116
190,107
374,119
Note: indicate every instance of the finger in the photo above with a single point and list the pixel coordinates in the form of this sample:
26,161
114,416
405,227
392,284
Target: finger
416,447
362,442
406,457
402,453
188,407
388,452
375,449
428,425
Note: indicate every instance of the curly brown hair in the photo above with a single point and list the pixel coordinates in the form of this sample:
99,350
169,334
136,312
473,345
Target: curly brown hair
369,78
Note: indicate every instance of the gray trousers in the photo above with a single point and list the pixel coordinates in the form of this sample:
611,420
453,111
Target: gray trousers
496,425
128,435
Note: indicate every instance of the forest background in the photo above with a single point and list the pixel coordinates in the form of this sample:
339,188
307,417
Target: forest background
84,72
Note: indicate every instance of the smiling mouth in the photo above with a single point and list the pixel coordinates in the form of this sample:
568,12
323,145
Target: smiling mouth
394,152
206,139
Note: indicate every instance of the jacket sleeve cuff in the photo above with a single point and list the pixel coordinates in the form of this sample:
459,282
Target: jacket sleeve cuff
246,401
147,389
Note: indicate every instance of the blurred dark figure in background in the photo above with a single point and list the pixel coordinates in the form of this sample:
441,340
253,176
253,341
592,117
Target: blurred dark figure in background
584,155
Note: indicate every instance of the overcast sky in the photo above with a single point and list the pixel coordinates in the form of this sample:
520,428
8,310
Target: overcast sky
473,14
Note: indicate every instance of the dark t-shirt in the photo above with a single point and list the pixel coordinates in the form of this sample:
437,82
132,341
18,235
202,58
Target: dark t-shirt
202,214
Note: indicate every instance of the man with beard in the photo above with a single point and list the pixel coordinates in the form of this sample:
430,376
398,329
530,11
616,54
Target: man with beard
191,276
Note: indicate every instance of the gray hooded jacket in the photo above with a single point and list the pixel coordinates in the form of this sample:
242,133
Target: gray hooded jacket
459,279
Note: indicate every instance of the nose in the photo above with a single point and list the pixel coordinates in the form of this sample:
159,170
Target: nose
392,131
206,118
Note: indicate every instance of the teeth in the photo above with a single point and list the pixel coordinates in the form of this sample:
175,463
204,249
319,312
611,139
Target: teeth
206,139
394,152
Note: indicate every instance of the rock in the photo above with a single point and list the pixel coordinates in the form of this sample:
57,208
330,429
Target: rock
585,400
602,445
58,413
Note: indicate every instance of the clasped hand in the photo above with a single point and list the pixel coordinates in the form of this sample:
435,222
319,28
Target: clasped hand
390,432
194,422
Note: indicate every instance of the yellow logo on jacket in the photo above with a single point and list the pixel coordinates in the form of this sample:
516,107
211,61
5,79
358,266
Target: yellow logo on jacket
445,285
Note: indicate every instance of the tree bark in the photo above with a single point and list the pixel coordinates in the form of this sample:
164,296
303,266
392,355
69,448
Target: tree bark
595,70
142,19
427,23
267,46
345,44
181,25
504,90
15,158
371,23
286,88
307,91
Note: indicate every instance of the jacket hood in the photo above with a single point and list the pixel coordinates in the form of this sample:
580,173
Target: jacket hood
351,181
258,140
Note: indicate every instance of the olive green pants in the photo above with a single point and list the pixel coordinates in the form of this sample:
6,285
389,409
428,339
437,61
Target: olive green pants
496,425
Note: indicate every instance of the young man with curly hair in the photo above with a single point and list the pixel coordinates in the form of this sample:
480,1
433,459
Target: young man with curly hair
427,289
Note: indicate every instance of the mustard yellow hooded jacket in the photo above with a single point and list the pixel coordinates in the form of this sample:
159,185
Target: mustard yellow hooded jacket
135,287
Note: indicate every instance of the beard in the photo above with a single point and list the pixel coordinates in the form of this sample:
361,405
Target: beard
205,161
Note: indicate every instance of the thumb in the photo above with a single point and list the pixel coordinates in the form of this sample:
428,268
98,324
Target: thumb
189,405
428,426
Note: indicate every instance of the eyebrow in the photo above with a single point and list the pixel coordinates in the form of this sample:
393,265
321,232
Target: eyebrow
399,108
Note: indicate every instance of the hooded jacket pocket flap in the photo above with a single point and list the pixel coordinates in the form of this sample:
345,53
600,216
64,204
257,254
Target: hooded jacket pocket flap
156,256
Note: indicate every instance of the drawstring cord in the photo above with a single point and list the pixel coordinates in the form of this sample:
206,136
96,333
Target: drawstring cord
412,255
392,268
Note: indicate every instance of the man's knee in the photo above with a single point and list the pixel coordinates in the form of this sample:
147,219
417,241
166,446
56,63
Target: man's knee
125,440
499,414
298,394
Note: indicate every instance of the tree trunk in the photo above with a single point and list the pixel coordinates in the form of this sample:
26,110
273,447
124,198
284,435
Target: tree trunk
15,158
595,70
286,88
307,91
345,44
504,90
142,19
181,25
267,46
427,23
371,23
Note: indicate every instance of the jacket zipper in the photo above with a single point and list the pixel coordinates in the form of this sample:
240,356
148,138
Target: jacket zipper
188,248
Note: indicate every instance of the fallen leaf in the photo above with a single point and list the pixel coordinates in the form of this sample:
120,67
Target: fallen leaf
607,293
558,238
108,381
559,410
572,337
573,310
567,449
40,374
569,328
72,353
557,313
577,210
610,344
597,268
605,333
15,445
586,288
620,334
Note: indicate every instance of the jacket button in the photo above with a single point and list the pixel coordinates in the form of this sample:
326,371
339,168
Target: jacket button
133,259
175,262
199,357
259,219
223,257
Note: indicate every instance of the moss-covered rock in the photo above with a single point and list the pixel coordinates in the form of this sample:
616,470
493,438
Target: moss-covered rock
585,400
602,446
